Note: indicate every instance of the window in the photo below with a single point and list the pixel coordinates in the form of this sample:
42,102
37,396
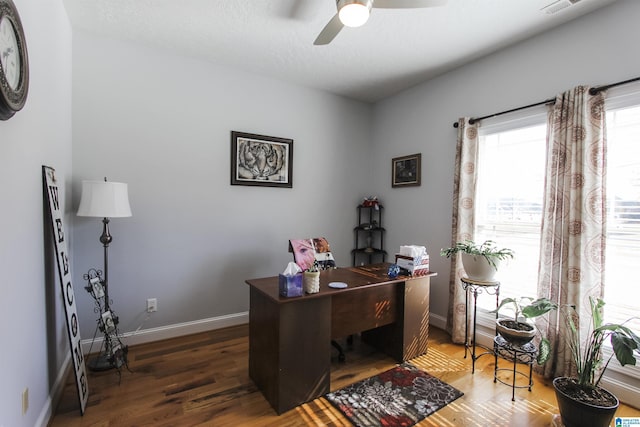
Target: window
622,292
509,194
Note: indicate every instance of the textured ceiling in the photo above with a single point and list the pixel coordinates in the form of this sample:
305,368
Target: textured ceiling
394,50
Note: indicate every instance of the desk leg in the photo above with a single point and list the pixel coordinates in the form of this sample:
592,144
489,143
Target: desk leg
289,349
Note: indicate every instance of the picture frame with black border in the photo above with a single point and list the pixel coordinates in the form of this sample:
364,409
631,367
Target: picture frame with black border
406,171
260,160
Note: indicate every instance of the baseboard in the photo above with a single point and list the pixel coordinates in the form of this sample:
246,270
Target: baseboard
626,393
172,331
55,394
484,334
437,321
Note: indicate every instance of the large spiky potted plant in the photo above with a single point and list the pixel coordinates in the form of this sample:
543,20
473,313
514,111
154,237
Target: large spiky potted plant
582,402
481,261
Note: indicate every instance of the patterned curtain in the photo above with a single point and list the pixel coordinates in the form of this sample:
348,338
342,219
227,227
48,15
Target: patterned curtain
464,189
572,244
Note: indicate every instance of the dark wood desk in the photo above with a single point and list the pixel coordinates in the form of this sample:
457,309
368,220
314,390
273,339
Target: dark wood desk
290,338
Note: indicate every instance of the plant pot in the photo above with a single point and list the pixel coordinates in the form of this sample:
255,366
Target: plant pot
478,268
311,282
518,333
576,413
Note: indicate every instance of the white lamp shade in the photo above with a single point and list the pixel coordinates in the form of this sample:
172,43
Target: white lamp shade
104,199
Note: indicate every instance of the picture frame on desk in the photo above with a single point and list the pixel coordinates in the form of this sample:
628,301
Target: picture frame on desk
259,160
406,171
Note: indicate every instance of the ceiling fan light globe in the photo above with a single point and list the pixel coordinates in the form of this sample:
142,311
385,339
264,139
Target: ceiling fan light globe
354,13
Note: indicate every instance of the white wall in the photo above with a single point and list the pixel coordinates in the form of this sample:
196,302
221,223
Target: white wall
32,325
162,123
594,50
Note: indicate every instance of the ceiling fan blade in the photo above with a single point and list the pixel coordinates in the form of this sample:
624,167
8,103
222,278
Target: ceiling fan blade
330,31
407,4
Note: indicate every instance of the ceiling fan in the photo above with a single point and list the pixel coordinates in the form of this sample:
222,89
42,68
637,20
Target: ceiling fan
354,13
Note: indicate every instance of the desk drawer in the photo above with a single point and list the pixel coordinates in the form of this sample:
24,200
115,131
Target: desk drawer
359,310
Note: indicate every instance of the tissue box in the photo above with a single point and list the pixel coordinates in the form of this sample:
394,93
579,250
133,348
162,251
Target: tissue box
416,266
412,251
290,286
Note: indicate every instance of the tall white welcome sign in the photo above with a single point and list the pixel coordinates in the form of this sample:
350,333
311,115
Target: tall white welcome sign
62,257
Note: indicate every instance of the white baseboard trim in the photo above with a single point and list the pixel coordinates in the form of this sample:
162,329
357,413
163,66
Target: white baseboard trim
172,331
626,393
438,321
484,335
55,394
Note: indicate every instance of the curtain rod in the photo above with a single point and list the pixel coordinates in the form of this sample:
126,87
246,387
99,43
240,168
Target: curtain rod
477,119
592,91
595,90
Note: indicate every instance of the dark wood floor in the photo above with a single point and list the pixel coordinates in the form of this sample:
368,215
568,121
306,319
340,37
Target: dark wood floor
203,380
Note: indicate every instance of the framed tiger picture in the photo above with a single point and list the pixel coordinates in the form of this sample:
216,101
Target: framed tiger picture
261,160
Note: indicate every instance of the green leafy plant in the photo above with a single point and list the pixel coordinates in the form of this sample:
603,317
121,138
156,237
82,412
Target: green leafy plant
314,268
529,308
588,356
488,250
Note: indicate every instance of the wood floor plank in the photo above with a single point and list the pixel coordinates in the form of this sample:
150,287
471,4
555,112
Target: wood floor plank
203,380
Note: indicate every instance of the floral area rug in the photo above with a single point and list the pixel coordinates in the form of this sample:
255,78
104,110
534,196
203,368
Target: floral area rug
401,396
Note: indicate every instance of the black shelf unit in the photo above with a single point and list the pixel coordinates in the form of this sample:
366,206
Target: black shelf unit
369,235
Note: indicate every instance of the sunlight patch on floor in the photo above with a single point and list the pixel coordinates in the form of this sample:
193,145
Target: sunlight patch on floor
437,361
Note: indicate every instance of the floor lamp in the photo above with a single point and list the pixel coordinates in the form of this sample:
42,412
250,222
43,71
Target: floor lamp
103,199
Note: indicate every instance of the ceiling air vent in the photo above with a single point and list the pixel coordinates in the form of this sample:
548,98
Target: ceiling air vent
557,6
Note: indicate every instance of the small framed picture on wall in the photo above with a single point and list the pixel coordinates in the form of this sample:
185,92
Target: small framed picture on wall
406,170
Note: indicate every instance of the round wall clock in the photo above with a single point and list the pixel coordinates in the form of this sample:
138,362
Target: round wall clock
14,63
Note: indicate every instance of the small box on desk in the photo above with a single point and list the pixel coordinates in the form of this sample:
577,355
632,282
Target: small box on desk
416,266
290,286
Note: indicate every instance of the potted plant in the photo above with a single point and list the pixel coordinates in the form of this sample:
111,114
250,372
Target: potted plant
580,399
312,279
519,329
480,262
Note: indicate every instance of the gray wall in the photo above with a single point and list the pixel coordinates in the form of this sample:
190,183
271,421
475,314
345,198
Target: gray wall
162,124
33,335
593,50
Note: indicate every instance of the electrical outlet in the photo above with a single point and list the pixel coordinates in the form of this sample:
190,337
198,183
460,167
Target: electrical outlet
25,400
152,305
